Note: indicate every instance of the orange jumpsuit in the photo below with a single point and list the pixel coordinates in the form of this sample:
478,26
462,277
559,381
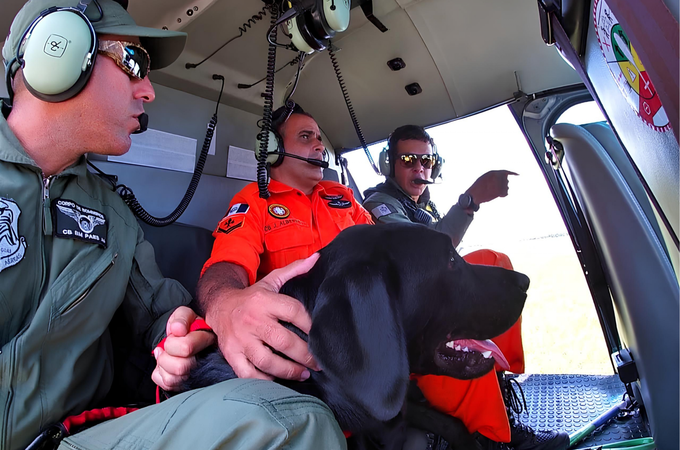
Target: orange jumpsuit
263,235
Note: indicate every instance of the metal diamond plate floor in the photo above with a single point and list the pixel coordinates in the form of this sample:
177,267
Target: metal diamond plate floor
570,402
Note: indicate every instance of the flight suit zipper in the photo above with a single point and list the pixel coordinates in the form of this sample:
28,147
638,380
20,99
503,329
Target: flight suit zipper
47,216
82,296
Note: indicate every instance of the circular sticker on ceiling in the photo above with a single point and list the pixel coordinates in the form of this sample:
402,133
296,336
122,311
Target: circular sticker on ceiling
629,73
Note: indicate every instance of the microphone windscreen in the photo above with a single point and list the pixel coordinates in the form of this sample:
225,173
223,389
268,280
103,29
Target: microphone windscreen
143,123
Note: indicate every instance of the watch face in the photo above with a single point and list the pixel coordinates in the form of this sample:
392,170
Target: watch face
464,200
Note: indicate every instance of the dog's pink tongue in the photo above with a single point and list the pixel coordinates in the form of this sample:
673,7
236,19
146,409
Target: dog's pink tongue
485,346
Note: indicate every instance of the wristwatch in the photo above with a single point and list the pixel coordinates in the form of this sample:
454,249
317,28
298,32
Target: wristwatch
465,201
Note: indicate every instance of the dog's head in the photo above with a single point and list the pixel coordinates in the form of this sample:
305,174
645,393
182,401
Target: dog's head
392,299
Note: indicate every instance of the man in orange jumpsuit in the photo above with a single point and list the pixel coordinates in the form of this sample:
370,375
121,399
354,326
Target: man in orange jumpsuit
257,236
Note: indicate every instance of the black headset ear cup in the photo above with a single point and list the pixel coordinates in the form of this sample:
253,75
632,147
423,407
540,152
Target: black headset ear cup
384,162
321,29
305,24
57,54
437,167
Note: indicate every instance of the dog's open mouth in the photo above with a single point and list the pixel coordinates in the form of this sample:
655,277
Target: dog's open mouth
469,358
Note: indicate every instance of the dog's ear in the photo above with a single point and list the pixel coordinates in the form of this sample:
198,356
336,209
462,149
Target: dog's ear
357,338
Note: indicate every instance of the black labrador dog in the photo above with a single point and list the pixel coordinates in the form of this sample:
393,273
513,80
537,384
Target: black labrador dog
387,301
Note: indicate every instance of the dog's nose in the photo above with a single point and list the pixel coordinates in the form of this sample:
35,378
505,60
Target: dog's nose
522,281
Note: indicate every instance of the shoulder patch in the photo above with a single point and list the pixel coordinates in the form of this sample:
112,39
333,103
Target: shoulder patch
229,224
74,221
383,210
238,208
12,246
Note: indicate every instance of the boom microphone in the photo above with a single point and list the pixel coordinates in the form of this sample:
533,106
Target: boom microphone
143,123
421,181
314,162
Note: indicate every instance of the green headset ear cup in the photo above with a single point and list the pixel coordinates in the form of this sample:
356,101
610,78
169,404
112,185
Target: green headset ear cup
296,36
274,149
384,163
335,14
57,54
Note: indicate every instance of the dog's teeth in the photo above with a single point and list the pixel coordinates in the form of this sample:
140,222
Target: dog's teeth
457,348
486,354
449,344
466,349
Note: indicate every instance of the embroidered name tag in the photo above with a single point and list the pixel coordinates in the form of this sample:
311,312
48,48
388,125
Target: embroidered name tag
342,204
12,246
73,221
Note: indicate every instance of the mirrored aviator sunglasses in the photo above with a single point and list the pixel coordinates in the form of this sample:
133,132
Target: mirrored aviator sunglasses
130,57
409,160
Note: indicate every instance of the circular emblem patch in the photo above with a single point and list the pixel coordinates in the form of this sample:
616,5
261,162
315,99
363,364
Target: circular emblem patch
279,211
627,69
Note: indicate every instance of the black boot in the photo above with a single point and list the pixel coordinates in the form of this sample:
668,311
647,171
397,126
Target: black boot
523,437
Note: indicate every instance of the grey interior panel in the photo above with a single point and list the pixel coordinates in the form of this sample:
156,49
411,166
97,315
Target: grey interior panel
642,280
160,191
604,134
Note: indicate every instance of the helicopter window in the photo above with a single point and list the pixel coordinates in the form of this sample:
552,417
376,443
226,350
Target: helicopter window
525,225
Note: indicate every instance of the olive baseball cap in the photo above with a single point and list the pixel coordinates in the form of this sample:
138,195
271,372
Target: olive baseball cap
164,46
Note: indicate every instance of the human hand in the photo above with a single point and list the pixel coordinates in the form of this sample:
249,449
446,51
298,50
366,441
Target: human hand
177,358
247,325
489,186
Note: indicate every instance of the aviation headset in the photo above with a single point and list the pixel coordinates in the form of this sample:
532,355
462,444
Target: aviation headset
57,53
317,23
275,150
387,157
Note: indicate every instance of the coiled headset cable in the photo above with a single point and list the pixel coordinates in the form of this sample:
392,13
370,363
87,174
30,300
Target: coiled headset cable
262,173
350,108
129,197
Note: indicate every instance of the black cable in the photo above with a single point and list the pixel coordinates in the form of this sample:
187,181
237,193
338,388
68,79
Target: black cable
243,29
292,62
101,13
132,202
8,82
287,102
350,108
262,175
271,33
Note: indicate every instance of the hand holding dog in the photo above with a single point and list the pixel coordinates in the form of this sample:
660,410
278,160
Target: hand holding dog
246,322
176,359
490,186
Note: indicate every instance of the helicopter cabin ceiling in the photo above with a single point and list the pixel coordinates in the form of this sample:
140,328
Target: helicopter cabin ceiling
466,55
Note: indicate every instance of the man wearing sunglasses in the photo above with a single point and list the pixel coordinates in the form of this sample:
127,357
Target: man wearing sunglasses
80,292
404,197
